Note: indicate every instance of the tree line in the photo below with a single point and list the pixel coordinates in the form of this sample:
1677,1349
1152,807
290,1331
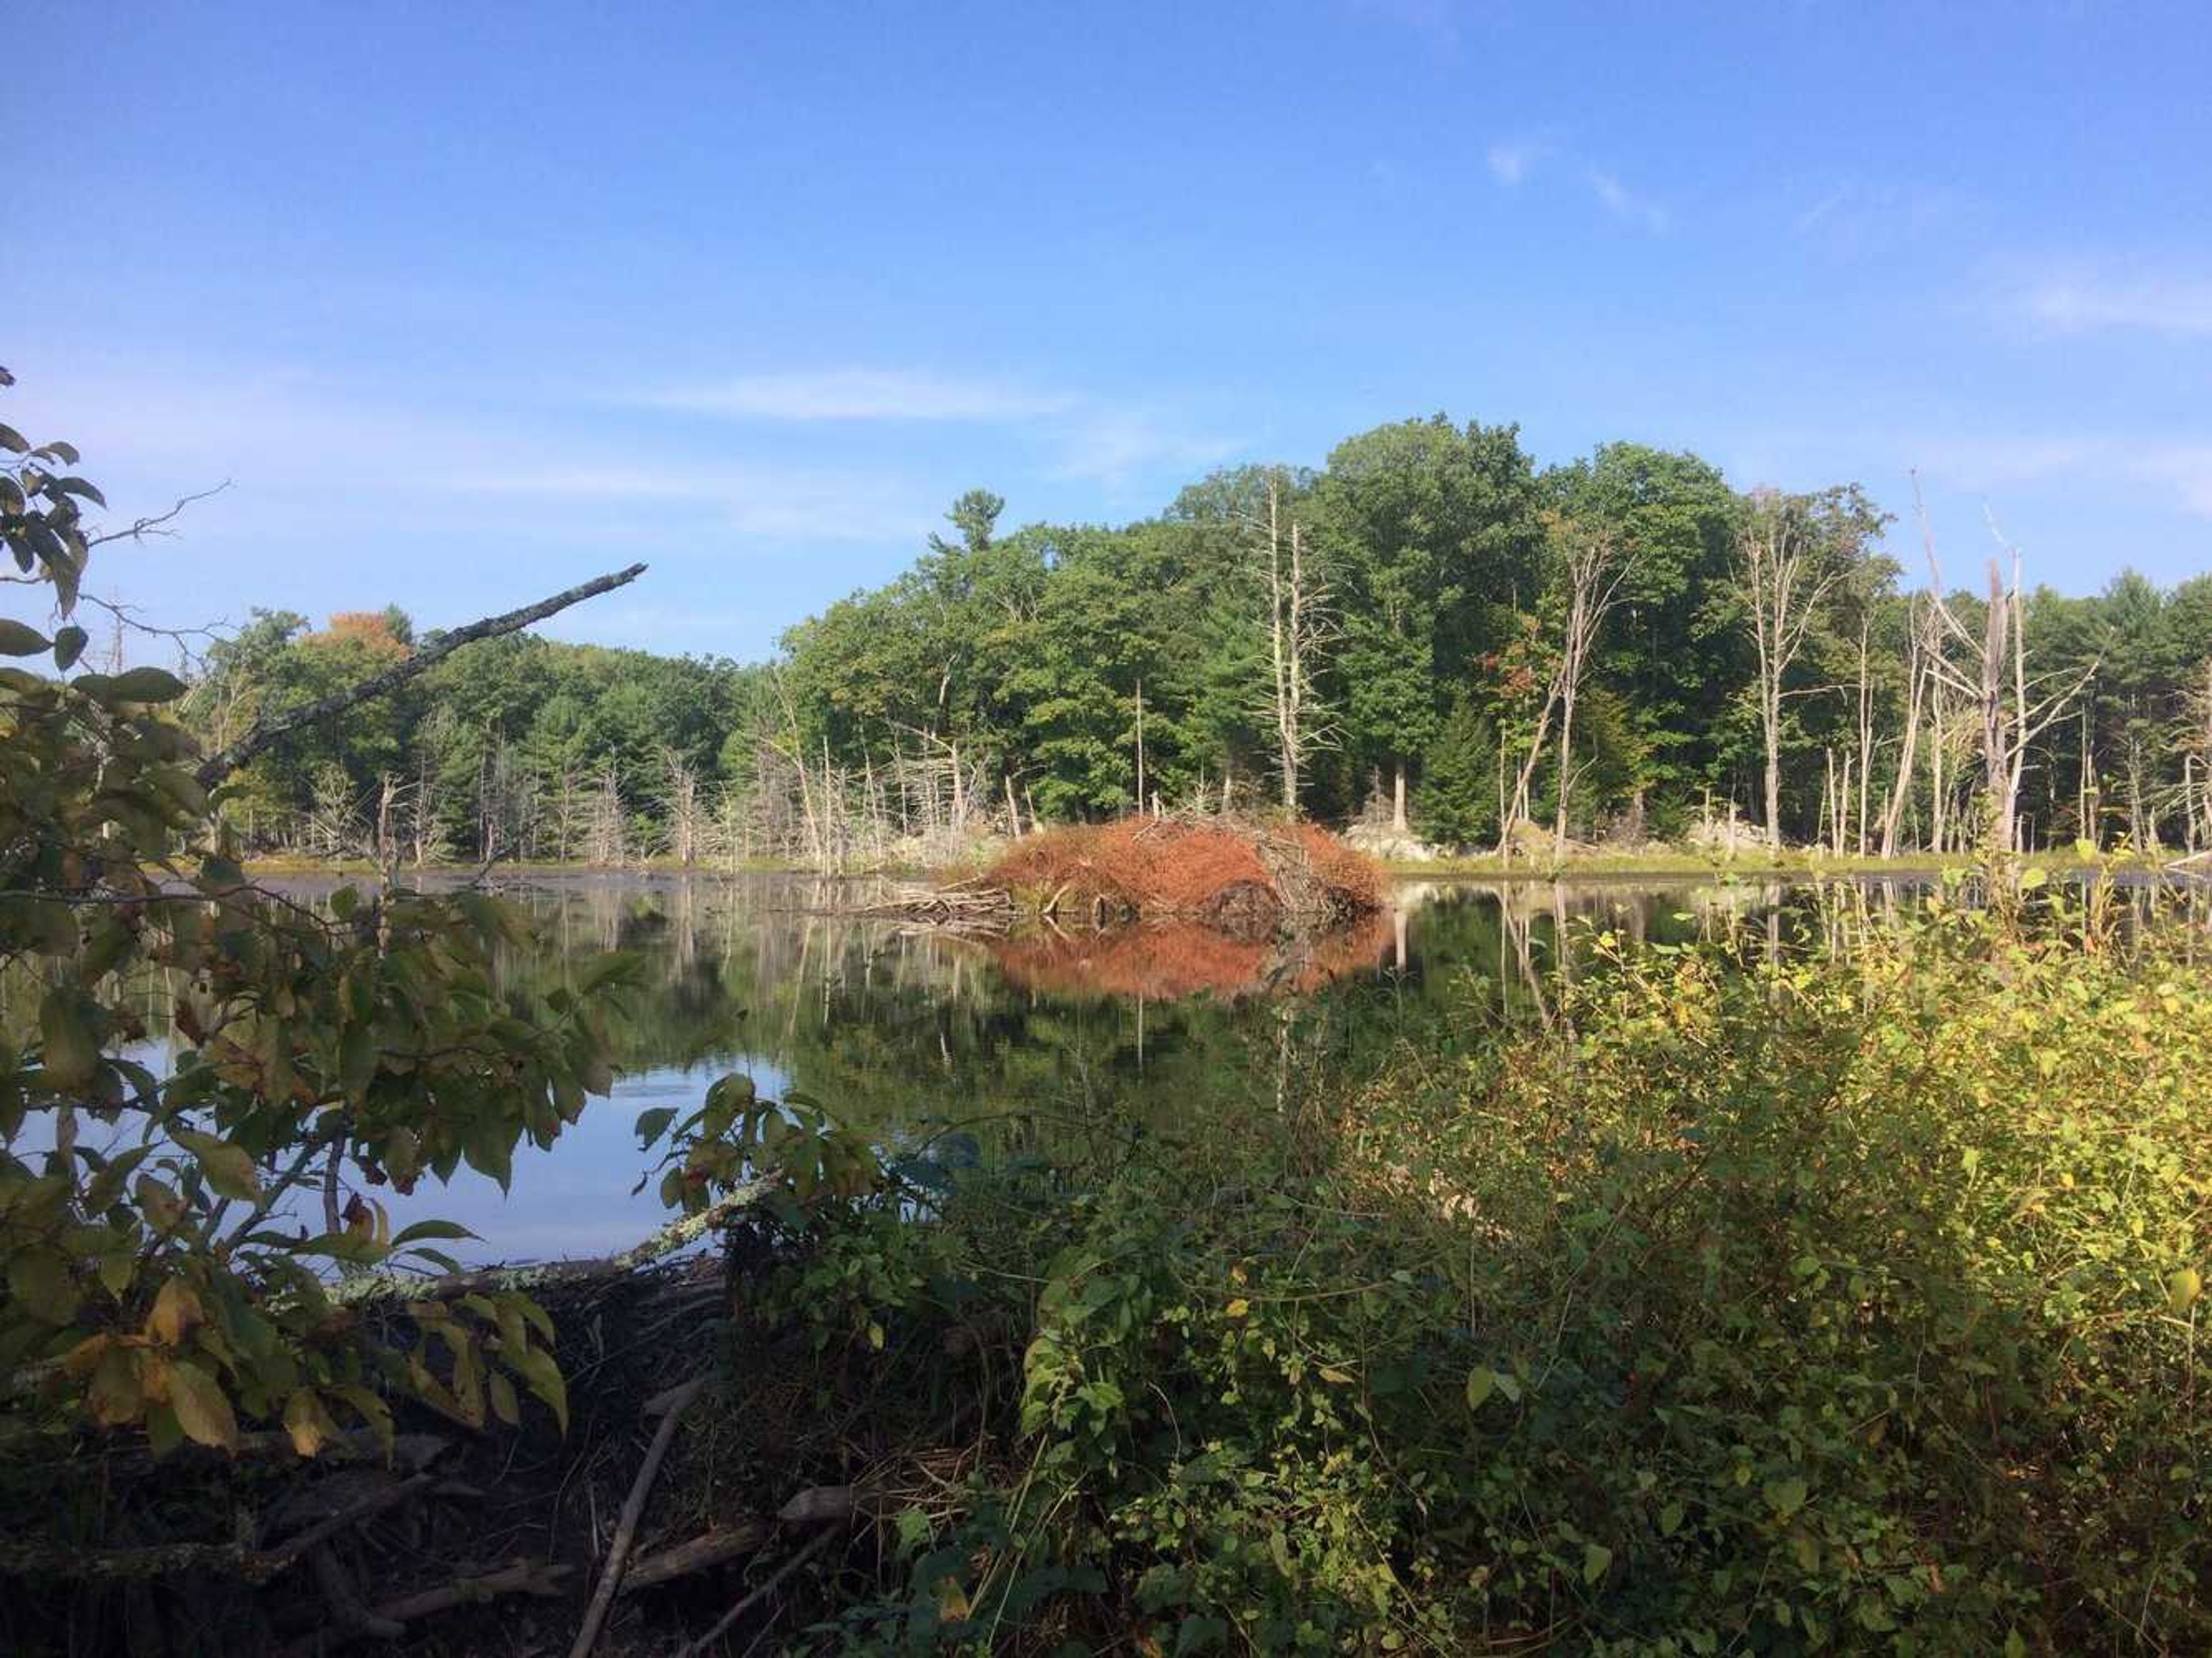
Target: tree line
1430,631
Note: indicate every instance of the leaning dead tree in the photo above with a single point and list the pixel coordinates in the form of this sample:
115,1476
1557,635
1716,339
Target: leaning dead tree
1590,561
2010,712
1922,642
273,728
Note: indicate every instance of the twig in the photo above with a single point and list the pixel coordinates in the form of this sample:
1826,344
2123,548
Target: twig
626,1527
146,526
821,1542
220,765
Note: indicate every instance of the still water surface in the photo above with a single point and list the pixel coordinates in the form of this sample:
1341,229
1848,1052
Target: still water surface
902,1029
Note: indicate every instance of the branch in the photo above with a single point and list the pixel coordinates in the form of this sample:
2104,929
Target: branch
145,526
633,1509
265,731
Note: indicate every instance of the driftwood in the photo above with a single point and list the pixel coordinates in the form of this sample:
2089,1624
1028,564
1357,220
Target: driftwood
960,909
820,1502
716,1547
521,1578
633,1509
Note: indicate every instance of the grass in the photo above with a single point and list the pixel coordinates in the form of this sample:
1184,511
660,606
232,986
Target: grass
1664,865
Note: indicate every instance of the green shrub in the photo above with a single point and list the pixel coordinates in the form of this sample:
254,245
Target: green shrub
1838,1304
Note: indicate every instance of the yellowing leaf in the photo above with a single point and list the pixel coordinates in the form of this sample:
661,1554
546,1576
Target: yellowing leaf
308,1423
1238,1308
1481,1382
202,1411
71,1055
176,1309
229,1168
2182,1290
115,1398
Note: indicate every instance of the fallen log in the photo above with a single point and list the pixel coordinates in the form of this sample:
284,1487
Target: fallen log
253,1565
523,1577
704,1552
676,1235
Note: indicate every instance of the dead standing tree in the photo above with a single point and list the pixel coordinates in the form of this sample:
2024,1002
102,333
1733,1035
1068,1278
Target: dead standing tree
1298,630
1784,570
683,808
2010,713
2196,751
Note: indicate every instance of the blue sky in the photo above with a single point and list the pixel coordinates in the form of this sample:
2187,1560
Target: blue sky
472,300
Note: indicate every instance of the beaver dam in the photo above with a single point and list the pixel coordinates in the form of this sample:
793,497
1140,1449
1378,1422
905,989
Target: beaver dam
1247,880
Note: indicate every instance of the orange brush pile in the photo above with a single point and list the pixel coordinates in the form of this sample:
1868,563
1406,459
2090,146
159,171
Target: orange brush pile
1165,867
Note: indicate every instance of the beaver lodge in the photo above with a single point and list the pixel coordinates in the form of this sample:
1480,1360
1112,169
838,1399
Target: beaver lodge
1165,907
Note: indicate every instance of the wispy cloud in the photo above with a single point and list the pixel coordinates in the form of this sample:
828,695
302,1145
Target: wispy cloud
2093,302
778,503
2184,468
1110,446
1514,162
1624,203
2179,469
1858,216
1510,161
859,394
1091,439
307,448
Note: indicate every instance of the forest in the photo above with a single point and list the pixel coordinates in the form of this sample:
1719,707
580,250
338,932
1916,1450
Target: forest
1430,632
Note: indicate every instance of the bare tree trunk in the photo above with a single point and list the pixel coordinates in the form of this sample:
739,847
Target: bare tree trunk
1140,748
1779,573
1297,629
682,804
1866,731
1916,676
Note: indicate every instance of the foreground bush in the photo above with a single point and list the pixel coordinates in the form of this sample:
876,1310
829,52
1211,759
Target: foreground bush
1816,1306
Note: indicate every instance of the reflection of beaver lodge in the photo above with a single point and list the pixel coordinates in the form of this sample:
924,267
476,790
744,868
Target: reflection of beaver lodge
1167,906
1165,961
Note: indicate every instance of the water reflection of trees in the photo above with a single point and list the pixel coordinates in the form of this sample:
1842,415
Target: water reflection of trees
891,1025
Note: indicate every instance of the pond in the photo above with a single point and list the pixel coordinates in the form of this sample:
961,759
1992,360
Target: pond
903,1030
